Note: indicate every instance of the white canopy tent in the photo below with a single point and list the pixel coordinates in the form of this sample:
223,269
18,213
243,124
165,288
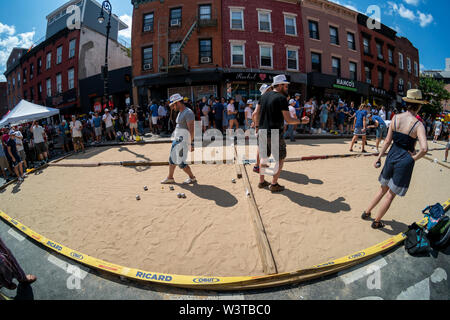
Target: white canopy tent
25,112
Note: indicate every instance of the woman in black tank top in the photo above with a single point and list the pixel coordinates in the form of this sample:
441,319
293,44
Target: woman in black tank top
395,178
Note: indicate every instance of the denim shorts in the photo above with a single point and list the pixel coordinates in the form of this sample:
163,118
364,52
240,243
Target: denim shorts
381,132
181,156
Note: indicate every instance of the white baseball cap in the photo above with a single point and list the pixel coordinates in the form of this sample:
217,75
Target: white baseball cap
292,101
175,98
281,79
264,88
250,101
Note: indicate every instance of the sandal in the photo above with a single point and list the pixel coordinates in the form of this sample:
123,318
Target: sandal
366,216
378,225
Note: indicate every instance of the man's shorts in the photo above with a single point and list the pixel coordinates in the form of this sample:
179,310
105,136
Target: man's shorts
155,120
98,131
133,125
22,154
282,151
181,159
341,121
77,140
381,132
4,162
16,163
40,147
205,121
358,132
109,130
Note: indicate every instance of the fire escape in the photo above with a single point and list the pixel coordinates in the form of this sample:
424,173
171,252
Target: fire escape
174,35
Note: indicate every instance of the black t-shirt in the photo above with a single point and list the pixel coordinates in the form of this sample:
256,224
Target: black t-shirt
12,144
140,114
272,106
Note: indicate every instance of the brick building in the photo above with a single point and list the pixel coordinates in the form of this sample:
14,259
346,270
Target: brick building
332,55
379,63
408,67
262,39
3,98
49,73
176,47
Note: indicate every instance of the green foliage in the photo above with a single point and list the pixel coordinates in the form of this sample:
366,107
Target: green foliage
433,91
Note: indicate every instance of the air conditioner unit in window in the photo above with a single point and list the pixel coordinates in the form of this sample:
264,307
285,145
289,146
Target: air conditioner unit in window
205,60
147,28
147,67
175,22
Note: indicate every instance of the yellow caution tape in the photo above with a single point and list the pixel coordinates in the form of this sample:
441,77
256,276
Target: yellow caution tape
208,282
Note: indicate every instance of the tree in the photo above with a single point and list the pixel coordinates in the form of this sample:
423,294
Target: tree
433,91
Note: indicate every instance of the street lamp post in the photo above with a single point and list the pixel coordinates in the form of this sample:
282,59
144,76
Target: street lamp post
106,6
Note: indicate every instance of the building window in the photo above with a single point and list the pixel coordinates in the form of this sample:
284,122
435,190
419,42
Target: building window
49,87
39,66
380,51
290,25
401,85
380,79
39,91
71,78
292,59
265,23
366,43
49,61
31,71
400,61
237,19
416,69
368,73
351,41
391,83
175,17
409,85
314,30
353,71
316,62
336,66
25,76
14,82
334,35
237,55
72,46
205,50
205,12
59,55
147,58
148,22
391,56
58,83
266,58
174,54
32,94
408,64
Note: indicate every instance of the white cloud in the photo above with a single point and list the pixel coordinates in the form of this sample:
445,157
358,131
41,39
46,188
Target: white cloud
10,40
406,13
412,2
129,22
425,19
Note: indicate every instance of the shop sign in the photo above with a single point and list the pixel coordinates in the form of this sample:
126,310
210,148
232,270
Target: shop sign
377,91
345,85
251,76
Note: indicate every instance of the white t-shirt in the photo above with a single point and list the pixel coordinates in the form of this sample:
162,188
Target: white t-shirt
19,142
38,134
382,115
309,108
293,112
76,132
248,112
162,111
231,108
205,110
108,120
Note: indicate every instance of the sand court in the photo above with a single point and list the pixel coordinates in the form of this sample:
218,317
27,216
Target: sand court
210,233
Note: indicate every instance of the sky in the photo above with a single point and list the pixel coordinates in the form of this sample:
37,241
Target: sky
423,22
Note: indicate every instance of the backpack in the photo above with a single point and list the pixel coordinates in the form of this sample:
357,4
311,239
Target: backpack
440,235
417,241
435,214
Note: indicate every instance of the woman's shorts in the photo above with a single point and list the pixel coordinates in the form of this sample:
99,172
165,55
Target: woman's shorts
205,121
358,132
133,125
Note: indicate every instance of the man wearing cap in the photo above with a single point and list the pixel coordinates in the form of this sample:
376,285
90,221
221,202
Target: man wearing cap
108,120
274,111
183,140
77,135
39,141
290,132
20,148
13,156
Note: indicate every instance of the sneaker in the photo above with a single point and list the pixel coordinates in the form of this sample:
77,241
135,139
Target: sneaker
168,181
190,181
256,169
263,185
276,188
20,179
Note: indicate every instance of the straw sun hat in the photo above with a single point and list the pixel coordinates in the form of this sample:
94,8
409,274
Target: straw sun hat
414,96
